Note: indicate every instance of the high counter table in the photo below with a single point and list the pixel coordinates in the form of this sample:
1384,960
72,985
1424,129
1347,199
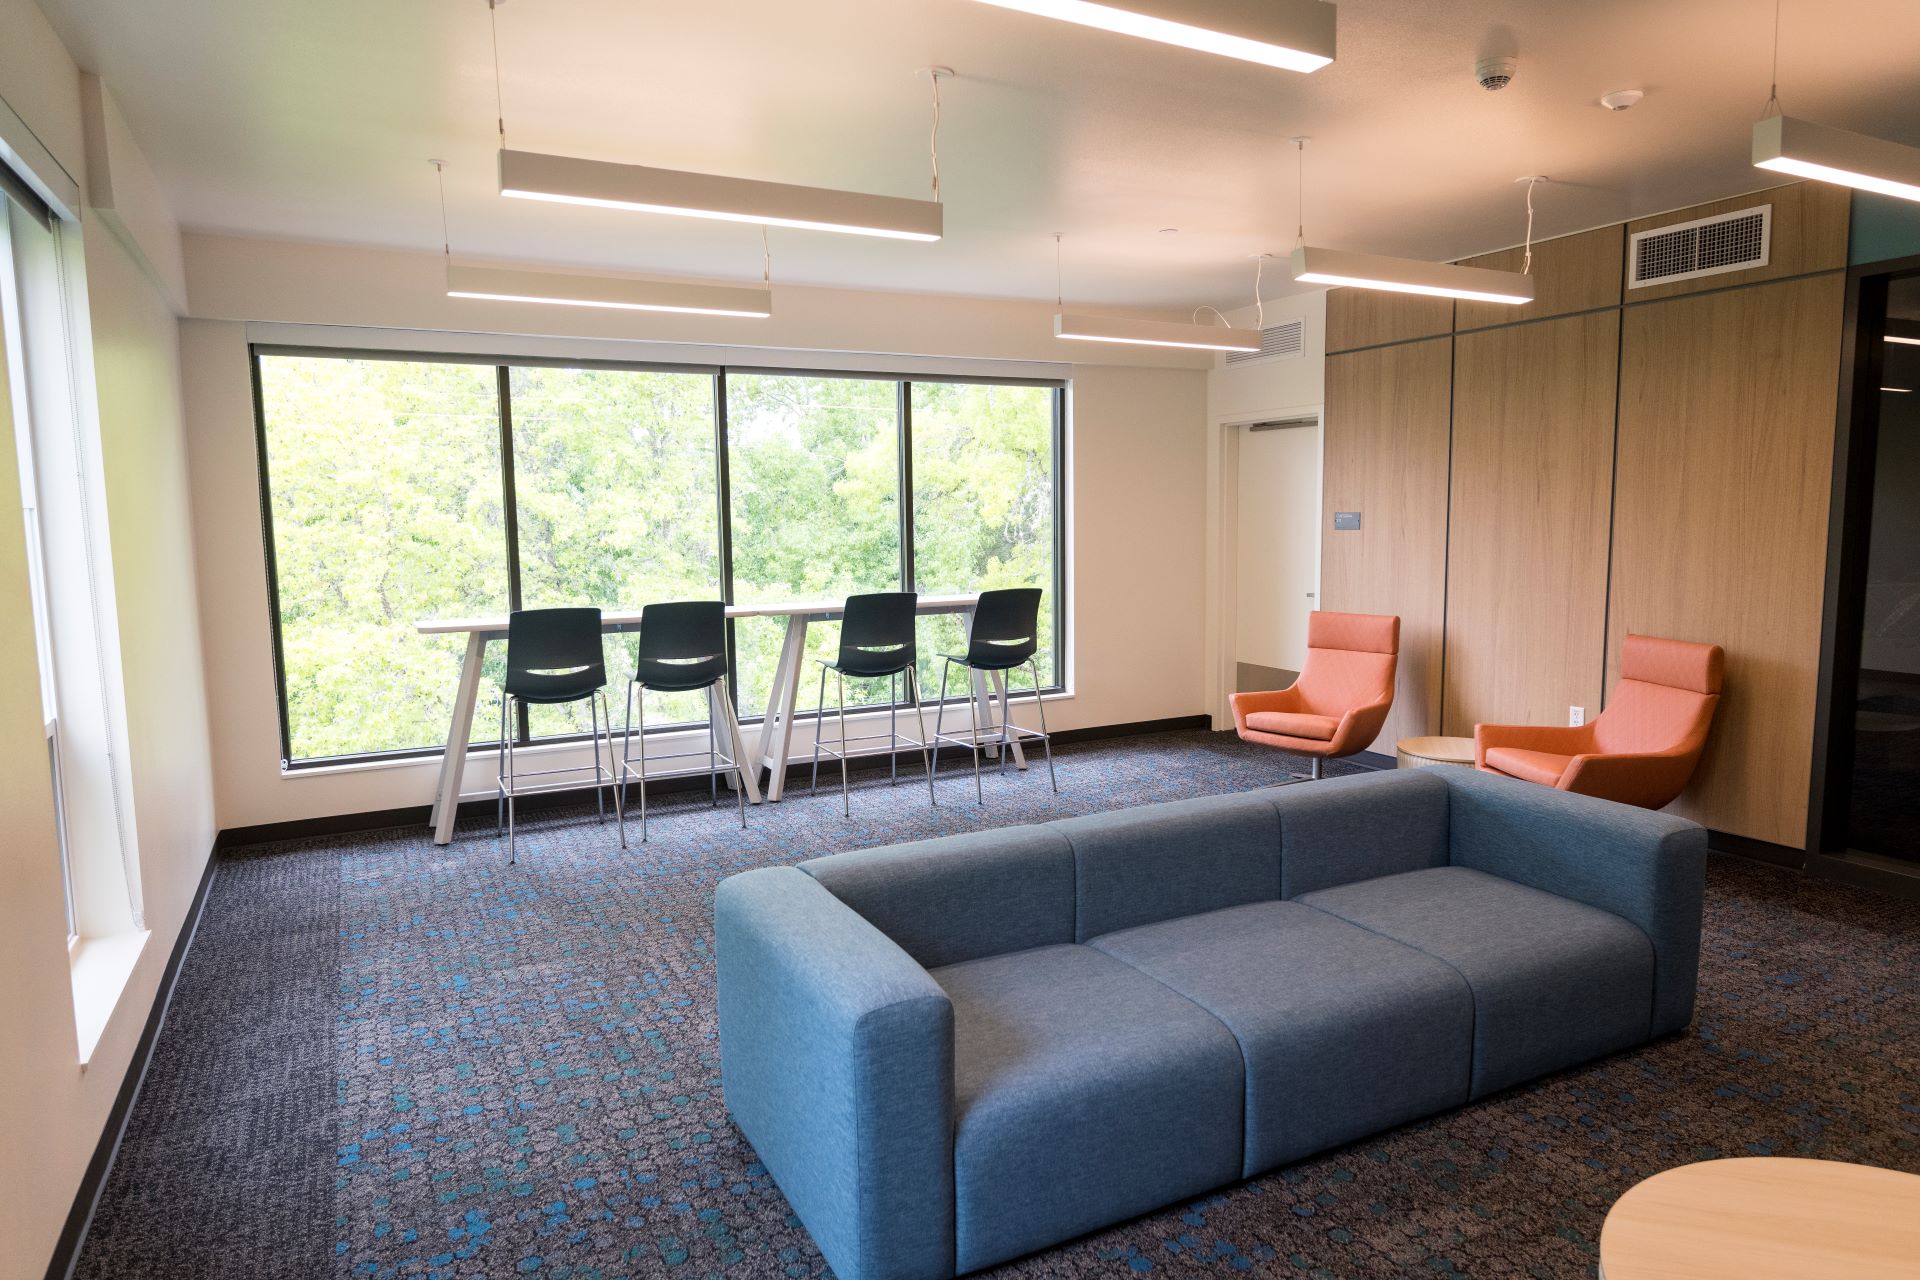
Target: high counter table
776,729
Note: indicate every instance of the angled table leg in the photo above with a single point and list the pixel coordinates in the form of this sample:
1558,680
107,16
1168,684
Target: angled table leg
1006,718
776,728
453,762
720,706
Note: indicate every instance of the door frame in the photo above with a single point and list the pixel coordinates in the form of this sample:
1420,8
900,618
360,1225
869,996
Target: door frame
1850,515
1224,435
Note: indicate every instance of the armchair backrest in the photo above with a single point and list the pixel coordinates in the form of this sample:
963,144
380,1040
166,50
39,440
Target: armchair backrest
1665,699
1350,661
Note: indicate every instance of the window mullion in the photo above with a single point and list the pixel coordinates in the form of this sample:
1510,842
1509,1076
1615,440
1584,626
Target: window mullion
510,515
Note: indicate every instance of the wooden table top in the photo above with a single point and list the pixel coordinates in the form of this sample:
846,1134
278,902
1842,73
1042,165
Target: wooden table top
1765,1218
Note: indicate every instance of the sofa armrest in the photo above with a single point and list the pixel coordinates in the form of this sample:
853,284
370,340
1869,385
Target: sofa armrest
1360,726
836,1053
1648,868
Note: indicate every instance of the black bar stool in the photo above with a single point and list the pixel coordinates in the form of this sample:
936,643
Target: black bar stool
682,649
553,656
876,642
1004,636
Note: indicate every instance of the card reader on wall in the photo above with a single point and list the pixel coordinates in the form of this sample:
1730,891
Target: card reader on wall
1346,519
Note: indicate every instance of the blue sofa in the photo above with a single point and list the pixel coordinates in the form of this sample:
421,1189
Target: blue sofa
955,1052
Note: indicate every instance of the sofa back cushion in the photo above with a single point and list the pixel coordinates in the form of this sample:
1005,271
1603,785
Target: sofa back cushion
960,897
1340,830
1162,861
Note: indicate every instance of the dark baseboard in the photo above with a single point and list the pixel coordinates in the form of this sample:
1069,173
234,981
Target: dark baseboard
1779,855
1882,874
1372,760
797,774
73,1235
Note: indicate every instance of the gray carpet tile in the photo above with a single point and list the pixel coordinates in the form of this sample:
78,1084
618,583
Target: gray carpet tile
389,1059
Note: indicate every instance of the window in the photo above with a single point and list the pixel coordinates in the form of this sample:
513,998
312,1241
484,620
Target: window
404,487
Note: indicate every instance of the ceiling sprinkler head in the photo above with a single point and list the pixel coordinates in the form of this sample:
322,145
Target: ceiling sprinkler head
1621,99
1495,73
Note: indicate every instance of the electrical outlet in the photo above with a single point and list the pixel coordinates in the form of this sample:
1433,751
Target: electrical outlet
1576,716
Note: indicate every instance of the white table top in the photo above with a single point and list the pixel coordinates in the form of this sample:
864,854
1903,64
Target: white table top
626,619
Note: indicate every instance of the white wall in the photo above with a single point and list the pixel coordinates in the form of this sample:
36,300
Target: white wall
1237,394
52,1110
1135,501
1278,544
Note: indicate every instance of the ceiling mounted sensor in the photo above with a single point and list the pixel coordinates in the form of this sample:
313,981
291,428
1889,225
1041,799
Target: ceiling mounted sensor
1496,73
1148,333
1293,35
1784,144
618,293
1338,267
529,175
1622,99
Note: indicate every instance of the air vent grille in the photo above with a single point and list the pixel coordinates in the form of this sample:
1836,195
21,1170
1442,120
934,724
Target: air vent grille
1276,342
1703,247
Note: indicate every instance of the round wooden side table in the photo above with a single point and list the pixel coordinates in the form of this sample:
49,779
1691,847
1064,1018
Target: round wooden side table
1765,1218
1418,753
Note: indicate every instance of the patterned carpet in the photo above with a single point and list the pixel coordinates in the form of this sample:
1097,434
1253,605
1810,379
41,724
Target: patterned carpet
387,1059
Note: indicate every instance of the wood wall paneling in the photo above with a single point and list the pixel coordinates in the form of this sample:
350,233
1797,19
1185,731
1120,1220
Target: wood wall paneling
1570,273
1725,453
1370,317
1532,479
1386,429
1809,234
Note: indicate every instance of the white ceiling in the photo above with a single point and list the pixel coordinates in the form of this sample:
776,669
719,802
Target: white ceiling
314,120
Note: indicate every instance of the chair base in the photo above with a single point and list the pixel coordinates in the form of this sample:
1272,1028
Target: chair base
506,777
630,770
976,738
892,737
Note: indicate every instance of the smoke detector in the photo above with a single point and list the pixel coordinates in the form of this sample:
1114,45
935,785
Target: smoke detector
1495,73
1621,99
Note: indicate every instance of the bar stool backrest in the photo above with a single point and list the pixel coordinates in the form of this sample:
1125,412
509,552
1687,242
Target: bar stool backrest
1006,628
683,645
877,633
554,654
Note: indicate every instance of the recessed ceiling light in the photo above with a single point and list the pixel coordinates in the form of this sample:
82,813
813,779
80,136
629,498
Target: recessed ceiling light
1293,35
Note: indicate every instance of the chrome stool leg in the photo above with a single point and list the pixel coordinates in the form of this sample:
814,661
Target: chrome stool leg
893,730
641,702
846,802
819,723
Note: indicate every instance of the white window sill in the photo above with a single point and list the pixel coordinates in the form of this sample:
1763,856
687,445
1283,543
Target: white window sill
101,968
482,747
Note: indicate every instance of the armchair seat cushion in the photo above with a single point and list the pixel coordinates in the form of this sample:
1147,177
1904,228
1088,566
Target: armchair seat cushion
1294,724
1543,767
1344,1032
1555,982
1085,1092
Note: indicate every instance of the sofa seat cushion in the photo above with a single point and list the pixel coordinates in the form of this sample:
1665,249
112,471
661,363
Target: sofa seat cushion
1543,767
1294,724
1085,1092
1344,1032
1555,982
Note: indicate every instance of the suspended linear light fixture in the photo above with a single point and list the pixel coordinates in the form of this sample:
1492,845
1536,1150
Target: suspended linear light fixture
1313,265
1147,333
529,175
1293,35
620,293
1785,144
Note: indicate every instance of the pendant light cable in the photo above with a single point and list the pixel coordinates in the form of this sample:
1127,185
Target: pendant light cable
499,108
1773,89
766,259
1526,266
1259,302
1300,192
440,176
1059,290
933,142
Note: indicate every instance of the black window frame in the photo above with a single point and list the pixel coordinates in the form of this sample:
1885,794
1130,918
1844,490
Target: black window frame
503,366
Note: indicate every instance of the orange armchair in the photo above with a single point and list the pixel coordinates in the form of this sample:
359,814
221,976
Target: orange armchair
1642,750
1341,698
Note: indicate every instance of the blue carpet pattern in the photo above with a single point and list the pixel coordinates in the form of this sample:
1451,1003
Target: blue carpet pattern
387,1059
